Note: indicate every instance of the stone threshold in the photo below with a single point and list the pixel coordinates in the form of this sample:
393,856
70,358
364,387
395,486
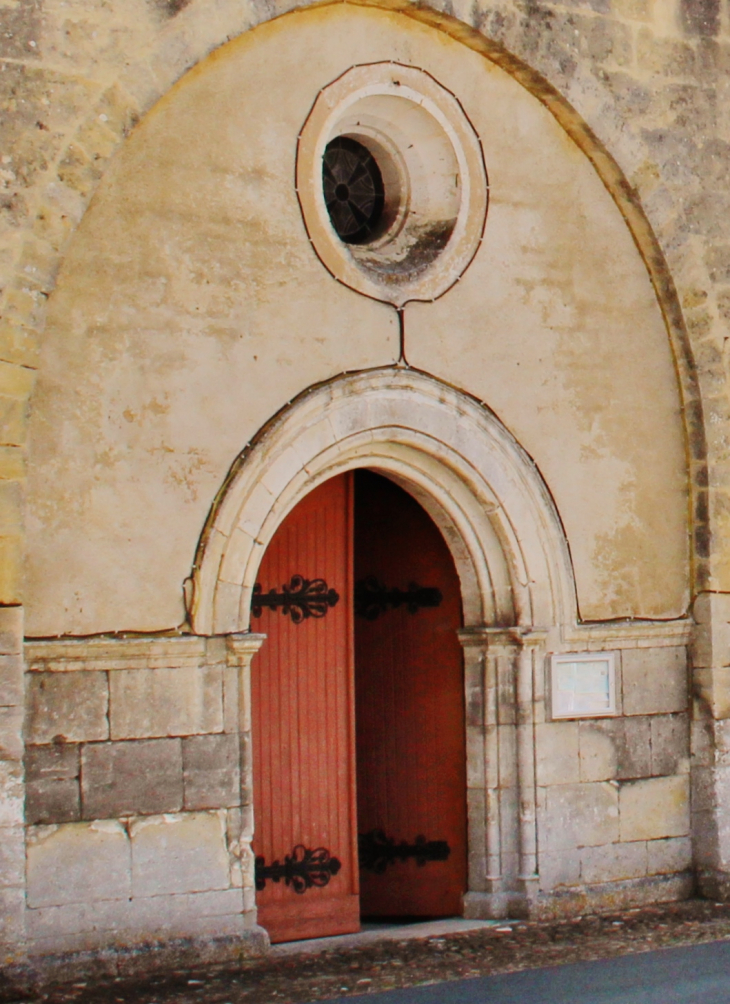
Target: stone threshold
373,933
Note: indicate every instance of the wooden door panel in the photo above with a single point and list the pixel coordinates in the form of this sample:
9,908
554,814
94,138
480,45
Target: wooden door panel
411,761
303,732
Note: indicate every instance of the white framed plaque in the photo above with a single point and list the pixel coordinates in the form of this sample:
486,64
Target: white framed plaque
583,685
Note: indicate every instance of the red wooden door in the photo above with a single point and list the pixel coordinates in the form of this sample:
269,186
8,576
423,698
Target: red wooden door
411,761
303,734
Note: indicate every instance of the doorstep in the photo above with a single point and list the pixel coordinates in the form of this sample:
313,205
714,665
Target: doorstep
372,933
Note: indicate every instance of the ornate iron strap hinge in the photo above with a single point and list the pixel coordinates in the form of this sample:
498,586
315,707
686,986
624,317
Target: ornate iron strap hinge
376,851
372,598
302,869
301,599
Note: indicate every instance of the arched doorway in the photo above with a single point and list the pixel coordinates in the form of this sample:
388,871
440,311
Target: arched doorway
359,598
457,460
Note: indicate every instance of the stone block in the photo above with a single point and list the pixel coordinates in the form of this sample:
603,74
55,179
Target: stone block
165,702
211,777
580,815
11,617
57,761
78,863
12,917
12,856
11,793
11,681
654,680
669,744
633,747
128,778
613,862
11,733
559,869
73,706
52,784
231,707
135,920
711,637
556,753
52,801
179,854
598,755
654,808
667,856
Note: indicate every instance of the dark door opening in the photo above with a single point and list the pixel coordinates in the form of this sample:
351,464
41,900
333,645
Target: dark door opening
409,699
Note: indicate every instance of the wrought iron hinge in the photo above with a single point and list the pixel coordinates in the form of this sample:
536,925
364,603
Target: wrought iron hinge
372,598
376,851
302,869
301,599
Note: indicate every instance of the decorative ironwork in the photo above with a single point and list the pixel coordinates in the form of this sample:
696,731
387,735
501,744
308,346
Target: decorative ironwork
376,851
302,869
301,599
372,598
353,190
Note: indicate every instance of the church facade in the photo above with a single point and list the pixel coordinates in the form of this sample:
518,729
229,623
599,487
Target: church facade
365,544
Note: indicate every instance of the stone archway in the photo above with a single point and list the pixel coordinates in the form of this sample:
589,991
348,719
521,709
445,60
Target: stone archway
451,453
511,555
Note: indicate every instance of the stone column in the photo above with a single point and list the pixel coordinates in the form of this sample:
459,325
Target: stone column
528,663
12,788
241,650
499,677
710,763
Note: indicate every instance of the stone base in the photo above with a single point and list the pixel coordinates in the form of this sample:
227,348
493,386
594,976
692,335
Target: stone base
135,962
612,896
712,883
495,905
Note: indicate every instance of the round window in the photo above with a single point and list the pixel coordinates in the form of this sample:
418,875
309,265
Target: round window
391,183
353,190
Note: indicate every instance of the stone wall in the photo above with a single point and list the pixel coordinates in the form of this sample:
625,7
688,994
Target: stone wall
646,82
138,793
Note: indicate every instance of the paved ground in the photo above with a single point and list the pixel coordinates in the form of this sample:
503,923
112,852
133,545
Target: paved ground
696,975
452,968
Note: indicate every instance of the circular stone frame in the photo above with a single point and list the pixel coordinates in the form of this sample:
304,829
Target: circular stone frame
435,178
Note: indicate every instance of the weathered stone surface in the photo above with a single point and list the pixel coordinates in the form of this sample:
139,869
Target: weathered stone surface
12,917
136,919
560,869
669,744
671,855
11,680
613,863
12,856
556,752
11,733
598,753
52,800
77,863
179,854
69,705
580,815
654,680
654,808
11,793
52,783
165,702
210,771
131,777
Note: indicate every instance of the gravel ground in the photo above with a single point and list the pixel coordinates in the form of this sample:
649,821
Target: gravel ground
299,978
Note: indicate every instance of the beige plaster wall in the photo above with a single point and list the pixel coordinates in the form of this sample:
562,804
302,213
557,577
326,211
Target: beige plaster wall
190,308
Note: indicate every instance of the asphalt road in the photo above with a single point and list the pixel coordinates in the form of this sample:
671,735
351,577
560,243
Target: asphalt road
696,975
